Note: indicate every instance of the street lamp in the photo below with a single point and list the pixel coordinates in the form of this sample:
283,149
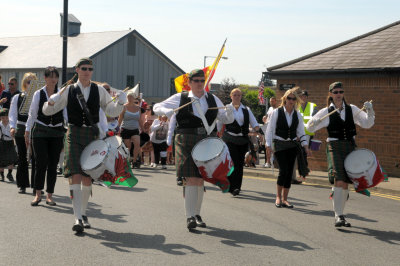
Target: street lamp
205,57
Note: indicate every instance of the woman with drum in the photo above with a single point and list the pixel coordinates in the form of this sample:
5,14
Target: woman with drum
192,122
284,127
341,128
17,124
236,138
83,101
46,133
131,123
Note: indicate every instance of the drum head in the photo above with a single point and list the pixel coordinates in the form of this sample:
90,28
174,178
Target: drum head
94,154
114,141
359,161
207,149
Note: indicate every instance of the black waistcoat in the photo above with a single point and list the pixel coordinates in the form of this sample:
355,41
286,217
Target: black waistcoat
282,128
76,115
22,118
185,117
234,127
51,119
340,129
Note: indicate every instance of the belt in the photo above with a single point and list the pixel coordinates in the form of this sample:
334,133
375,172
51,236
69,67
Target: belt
197,130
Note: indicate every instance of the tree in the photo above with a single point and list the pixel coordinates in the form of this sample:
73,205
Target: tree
250,99
223,93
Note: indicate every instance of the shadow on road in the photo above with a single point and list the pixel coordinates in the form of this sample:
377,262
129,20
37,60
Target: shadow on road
239,238
123,241
330,213
389,237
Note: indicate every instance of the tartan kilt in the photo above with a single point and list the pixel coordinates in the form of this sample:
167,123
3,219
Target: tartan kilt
336,153
184,143
8,154
76,140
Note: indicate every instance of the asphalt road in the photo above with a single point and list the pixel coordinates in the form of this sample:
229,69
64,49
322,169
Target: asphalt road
145,225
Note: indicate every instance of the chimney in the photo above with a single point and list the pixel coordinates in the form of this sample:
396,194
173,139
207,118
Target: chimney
74,25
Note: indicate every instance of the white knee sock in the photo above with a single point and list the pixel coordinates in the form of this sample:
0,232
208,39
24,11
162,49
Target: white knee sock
86,191
200,193
76,199
190,200
345,194
61,160
337,201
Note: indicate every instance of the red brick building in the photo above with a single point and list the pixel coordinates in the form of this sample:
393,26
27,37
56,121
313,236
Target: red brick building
369,68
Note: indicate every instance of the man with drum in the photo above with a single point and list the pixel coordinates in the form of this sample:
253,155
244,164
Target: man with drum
340,142
192,122
82,101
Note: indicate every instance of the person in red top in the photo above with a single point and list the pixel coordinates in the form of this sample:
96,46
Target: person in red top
2,87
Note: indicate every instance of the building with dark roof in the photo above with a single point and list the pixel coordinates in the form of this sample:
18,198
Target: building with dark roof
369,68
121,58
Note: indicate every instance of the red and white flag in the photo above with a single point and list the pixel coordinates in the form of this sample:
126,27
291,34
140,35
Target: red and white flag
261,99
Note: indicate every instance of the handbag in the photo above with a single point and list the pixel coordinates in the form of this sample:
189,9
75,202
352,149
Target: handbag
161,133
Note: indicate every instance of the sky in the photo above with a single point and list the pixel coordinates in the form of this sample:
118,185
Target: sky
260,33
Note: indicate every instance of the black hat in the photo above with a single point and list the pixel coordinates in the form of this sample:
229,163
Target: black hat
304,93
335,85
196,73
4,112
84,61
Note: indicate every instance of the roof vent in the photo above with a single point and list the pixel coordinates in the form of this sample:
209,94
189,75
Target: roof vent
74,25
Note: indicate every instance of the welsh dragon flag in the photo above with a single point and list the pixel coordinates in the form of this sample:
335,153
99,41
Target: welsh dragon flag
124,175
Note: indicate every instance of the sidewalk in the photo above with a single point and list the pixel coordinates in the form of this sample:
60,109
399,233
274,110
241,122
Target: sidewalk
391,187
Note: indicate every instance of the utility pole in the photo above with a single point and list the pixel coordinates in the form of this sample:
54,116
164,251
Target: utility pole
65,42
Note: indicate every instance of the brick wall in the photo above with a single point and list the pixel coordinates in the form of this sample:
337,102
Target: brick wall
384,137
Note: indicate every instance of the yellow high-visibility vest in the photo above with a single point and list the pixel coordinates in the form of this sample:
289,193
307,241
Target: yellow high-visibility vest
307,114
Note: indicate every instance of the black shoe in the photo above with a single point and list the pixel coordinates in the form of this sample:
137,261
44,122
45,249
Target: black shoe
289,206
2,177
344,222
199,221
51,203
179,181
36,202
235,192
296,182
86,223
22,190
339,222
278,205
59,171
78,226
191,223
10,177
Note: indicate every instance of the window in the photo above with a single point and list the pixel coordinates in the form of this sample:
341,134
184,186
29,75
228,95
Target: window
131,48
130,81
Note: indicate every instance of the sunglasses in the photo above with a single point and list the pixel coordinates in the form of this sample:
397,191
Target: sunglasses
87,68
291,99
136,102
198,80
11,84
337,92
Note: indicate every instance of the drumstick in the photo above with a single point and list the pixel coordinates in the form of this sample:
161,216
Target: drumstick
186,104
362,109
221,107
113,98
325,116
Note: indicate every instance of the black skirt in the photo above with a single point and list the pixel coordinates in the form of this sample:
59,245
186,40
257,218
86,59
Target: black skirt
8,155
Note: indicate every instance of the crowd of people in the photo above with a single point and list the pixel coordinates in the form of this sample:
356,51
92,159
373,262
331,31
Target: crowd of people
62,122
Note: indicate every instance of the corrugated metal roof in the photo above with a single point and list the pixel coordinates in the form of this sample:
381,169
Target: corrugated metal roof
41,51
378,49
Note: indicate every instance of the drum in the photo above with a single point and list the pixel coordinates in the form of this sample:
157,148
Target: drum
315,144
363,169
211,156
96,158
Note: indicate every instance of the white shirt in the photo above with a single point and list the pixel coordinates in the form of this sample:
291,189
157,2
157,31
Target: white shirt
362,119
239,117
171,129
60,99
174,101
154,127
289,118
34,109
13,112
5,131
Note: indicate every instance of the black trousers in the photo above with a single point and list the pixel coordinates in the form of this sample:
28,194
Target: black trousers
47,154
237,153
22,168
286,159
159,147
